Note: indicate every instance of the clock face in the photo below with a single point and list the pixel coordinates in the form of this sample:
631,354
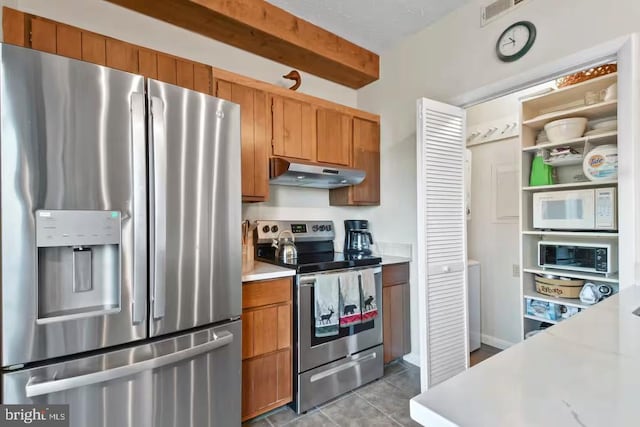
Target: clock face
515,41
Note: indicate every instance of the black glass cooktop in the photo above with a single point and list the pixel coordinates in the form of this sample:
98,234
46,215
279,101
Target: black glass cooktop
314,262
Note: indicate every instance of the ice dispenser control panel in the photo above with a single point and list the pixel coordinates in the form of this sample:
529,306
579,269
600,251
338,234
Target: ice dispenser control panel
77,228
78,269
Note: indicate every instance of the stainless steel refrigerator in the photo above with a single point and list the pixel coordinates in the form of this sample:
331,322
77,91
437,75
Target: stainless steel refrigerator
120,218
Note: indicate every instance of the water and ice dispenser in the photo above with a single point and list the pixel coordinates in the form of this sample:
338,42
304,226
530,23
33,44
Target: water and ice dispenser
78,264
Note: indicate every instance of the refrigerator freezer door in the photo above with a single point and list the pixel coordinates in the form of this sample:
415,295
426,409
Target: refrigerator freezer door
195,209
72,139
192,380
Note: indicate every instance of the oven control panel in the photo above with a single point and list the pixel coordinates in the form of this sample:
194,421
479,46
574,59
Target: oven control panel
303,231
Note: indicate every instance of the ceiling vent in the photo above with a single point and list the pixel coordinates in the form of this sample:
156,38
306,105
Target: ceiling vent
497,8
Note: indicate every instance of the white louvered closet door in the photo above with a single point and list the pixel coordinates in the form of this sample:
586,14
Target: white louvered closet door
442,253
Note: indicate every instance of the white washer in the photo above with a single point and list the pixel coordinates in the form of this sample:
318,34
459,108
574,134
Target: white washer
473,289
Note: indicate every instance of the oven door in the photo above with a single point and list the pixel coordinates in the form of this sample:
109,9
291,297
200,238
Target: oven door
315,351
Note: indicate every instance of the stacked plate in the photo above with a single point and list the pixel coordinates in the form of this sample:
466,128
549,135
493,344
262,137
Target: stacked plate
600,126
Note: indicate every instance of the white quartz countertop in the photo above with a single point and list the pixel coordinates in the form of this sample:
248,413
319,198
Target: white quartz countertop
257,270
390,259
583,372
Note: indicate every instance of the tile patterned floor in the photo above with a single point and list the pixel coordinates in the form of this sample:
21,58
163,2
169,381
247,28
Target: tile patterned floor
382,403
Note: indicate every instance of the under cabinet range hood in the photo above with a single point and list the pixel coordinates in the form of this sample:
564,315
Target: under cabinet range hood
301,174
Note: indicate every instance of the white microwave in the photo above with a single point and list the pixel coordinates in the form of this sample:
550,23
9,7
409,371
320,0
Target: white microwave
592,209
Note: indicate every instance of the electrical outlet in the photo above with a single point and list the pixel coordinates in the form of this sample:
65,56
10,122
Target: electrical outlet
516,270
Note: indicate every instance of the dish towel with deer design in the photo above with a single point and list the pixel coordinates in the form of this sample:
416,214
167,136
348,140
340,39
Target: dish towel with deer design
369,306
350,313
327,300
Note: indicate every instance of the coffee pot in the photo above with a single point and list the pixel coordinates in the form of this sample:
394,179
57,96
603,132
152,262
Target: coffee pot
357,238
286,250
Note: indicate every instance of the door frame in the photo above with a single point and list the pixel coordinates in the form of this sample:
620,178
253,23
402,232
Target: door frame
626,51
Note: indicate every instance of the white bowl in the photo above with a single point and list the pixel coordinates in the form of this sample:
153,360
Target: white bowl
562,130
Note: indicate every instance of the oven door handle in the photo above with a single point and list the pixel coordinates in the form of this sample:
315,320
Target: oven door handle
355,361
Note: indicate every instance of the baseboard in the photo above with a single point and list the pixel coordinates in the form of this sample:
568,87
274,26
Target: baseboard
496,342
412,358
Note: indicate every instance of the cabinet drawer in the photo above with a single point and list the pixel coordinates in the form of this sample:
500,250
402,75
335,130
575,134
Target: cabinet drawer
395,274
256,294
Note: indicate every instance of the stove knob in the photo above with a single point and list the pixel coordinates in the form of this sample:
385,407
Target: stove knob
274,229
328,227
265,229
314,228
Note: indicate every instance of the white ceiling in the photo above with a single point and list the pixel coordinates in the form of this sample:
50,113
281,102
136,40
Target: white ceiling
373,24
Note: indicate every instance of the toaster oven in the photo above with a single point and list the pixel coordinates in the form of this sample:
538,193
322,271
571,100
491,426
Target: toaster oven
599,258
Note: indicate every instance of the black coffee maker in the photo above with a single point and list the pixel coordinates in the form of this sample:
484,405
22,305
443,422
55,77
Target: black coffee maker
357,238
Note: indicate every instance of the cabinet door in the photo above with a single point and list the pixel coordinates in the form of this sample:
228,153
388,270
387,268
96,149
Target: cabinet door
167,69
254,136
202,78
184,74
266,383
148,63
15,27
266,330
94,47
69,41
333,137
366,156
122,56
293,125
393,322
43,35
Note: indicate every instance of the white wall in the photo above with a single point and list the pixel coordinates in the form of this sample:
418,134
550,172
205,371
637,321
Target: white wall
493,241
453,57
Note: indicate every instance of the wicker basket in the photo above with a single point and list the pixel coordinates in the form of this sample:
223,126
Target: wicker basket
559,288
589,74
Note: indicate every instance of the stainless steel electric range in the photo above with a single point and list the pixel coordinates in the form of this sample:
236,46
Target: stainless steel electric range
326,365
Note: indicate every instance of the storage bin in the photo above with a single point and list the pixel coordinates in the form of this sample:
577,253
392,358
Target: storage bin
543,309
559,288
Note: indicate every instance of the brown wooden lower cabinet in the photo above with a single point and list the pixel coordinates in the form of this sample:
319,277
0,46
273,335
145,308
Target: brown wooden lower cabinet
266,383
395,311
266,346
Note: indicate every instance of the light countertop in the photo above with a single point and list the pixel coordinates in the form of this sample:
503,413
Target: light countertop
390,259
263,271
585,371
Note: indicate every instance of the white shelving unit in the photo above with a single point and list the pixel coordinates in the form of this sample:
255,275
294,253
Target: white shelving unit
534,114
571,186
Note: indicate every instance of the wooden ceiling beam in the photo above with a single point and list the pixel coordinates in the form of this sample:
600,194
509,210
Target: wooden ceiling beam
266,30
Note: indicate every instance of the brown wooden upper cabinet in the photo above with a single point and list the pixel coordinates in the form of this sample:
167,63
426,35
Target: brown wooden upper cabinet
334,136
54,37
255,137
293,125
365,156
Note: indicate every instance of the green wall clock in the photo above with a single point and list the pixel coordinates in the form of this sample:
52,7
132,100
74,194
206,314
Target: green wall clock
516,41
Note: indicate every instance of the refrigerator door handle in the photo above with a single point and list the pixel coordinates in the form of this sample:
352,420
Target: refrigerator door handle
218,340
138,123
158,207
